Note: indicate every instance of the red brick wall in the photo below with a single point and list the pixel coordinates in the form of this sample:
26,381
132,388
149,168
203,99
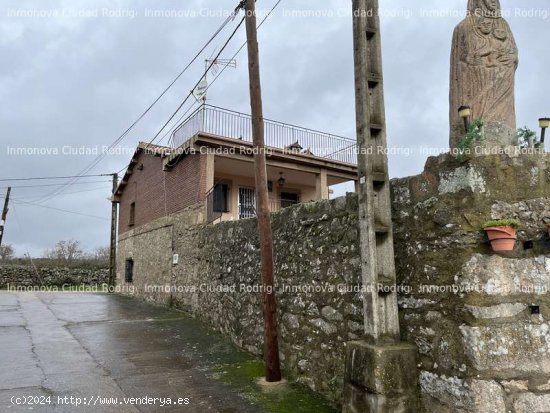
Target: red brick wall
185,186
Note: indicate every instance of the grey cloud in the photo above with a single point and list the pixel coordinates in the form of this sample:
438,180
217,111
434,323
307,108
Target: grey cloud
82,81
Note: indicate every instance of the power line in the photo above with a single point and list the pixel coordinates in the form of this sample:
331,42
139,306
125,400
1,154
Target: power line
197,84
50,185
24,203
51,177
239,50
125,133
68,193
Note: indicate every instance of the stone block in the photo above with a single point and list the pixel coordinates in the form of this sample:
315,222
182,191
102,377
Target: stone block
518,347
471,396
495,275
532,403
496,311
386,370
356,400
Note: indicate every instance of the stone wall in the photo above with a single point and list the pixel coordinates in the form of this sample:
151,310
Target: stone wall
317,268
479,320
26,276
152,247
217,279
469,311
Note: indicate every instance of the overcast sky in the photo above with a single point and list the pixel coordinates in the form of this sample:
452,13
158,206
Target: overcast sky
78,73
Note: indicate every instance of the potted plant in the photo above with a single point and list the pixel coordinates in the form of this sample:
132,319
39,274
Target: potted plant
502,233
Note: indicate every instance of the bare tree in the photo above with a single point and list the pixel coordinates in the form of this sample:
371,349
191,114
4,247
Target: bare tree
101,253
65,251
7,252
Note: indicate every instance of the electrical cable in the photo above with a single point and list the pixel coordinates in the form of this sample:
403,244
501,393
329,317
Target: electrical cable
152,141
100,157
239,50
49,185
105,188
51,177
24,203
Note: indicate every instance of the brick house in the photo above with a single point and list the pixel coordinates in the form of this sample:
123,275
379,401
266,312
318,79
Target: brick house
210,161
206,176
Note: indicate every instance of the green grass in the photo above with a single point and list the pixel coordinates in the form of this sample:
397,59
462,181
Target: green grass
293,397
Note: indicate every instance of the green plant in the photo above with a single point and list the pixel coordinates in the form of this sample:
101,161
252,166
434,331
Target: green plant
514,223
472,135
525,136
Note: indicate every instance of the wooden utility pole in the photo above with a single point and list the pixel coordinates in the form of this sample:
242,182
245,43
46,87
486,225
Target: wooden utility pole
273,368
112,250
4,215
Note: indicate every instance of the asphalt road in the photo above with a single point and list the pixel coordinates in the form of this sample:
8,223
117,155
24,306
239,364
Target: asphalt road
85,352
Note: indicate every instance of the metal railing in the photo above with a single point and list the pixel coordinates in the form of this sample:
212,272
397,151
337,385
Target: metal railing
230,124
275,205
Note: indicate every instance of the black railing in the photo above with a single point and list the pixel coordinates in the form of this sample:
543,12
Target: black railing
275,205
230,124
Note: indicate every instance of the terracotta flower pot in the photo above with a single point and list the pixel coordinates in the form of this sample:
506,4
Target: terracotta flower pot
502,238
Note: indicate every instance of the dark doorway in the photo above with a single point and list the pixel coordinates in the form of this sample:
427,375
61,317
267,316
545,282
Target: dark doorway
129,271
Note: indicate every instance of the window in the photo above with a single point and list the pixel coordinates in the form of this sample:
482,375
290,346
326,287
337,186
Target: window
129,271
132,214
289,199
221,198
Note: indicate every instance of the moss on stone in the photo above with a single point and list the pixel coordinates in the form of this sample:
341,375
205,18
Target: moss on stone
292,398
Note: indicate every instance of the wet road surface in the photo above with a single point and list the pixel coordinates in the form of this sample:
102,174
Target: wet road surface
88,345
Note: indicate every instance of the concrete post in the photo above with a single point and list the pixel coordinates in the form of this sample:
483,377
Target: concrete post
381,374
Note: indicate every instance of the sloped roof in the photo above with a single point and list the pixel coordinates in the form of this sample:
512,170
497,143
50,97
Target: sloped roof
142,148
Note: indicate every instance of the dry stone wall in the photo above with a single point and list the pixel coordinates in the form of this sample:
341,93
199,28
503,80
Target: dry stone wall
23,276
478,319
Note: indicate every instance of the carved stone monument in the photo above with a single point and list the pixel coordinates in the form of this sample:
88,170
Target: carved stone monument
484,60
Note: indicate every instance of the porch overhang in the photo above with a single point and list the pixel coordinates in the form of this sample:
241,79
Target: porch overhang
284,158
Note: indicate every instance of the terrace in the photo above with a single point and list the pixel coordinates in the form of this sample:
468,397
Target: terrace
225,123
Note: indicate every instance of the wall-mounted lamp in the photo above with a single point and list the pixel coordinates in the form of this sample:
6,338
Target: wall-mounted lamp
544,124
465,112
281,180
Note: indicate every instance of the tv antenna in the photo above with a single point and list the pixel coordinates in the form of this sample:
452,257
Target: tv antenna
215,65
